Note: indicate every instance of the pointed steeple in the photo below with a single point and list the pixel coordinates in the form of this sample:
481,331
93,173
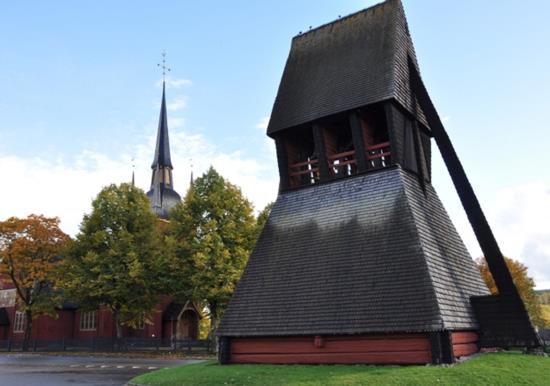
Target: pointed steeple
162,194
162,149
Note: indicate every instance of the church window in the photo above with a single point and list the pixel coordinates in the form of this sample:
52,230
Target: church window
19,322
88,321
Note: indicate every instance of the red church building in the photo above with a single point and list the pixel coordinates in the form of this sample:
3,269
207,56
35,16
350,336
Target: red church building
170,321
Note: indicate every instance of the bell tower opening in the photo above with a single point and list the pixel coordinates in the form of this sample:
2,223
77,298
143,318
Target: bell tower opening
303,160
337,146
339,149
374,129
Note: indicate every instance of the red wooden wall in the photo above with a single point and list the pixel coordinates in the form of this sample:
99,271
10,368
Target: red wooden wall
464,343
367,349
397,349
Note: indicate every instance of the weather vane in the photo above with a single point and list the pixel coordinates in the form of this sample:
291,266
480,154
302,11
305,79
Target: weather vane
163,65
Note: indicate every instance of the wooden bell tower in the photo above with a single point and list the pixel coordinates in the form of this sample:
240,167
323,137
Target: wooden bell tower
359,261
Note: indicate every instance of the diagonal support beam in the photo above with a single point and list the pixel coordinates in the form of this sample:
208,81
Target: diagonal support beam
480,226
482,230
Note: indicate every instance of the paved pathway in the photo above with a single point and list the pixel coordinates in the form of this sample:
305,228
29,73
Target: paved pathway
45,370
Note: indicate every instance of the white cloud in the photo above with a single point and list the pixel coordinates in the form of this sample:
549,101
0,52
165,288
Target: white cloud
268,143
262,124
66,189
178,103
521,218
176,123
175,83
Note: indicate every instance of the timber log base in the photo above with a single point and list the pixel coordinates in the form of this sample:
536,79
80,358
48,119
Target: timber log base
435,347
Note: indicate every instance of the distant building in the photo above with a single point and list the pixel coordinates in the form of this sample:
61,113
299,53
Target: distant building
171,320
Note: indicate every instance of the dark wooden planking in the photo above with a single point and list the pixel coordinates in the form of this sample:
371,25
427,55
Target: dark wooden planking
441,347
358,141
319,140
282,159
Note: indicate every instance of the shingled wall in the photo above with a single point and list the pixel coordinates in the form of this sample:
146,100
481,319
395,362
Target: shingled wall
367,254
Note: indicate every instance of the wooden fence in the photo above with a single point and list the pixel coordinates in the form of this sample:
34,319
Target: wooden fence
188,346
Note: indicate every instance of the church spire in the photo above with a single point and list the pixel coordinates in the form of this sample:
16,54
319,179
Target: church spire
162,149
162,194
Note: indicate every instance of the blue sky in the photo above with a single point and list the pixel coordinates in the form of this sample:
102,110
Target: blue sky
80,96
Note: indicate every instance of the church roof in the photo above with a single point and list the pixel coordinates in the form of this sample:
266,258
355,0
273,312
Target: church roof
163,199
162,149
352,62
368,254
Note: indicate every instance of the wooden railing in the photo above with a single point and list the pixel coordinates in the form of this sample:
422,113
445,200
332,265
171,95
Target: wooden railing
305,173
342,164
378,156
339,164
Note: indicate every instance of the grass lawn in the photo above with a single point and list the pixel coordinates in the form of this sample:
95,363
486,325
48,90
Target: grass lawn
497,369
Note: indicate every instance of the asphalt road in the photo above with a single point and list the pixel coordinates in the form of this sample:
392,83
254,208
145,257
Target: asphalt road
44,370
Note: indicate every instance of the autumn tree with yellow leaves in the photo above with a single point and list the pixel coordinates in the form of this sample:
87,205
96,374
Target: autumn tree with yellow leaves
524,284
29,258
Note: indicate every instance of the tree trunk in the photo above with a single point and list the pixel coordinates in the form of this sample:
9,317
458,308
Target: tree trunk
28,330
214,326
118,325
119,344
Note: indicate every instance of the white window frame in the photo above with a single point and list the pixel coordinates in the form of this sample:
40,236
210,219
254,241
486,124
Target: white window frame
88,321
141,325
19,322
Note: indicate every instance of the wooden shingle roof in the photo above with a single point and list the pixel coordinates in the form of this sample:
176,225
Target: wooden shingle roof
352,62
367,254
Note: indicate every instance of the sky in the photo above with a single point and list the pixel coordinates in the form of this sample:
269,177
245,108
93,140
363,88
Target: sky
80,95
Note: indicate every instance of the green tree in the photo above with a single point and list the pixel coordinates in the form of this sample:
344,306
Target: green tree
29,257
262,218
524,284
212,232
114,261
